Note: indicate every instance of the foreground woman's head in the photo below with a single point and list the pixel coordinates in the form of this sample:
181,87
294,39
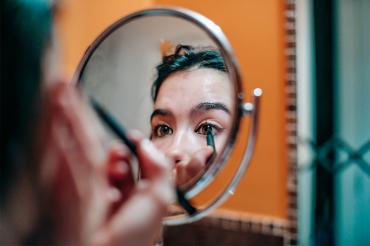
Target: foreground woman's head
192,95
58,184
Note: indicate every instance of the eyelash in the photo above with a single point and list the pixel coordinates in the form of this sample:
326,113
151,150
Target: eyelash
160,127
214,128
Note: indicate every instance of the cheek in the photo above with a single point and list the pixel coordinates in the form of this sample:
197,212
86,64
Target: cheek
162,143
186,143
221,140
199,141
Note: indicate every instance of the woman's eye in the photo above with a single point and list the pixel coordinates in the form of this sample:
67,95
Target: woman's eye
203,129
162,130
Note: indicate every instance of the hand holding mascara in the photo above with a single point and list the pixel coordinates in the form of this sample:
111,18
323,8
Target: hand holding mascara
211,142
120,132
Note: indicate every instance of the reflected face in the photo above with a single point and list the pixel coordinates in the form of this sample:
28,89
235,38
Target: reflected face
189,104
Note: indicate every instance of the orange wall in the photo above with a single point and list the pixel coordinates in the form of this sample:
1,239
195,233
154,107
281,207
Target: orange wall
81,21
255,29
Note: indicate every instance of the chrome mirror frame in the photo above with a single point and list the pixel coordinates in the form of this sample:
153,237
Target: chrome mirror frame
241,108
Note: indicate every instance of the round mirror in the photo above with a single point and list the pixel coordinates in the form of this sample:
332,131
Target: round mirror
171,74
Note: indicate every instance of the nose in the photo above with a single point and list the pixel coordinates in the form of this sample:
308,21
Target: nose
183,145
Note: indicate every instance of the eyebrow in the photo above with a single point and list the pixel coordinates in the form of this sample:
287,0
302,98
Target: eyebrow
161,112
201,107
205,106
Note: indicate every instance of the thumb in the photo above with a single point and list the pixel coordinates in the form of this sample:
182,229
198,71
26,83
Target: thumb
153,163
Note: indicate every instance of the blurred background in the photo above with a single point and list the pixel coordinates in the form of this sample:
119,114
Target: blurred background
309,180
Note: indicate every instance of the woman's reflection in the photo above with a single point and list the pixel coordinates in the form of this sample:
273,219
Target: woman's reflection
192,98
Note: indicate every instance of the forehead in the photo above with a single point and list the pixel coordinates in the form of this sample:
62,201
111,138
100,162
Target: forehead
194,86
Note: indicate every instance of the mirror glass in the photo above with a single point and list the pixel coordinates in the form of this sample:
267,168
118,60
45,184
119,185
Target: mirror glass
166,77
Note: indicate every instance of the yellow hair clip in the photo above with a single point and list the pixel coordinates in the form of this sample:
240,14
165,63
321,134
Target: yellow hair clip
167,48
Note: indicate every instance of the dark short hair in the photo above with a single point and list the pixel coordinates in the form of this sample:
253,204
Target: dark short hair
25,33
184,58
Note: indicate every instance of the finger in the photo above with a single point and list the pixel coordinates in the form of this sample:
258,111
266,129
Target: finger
142,213
137,221
88,179
114,199
118,163
156,168
119,173
153,163
79,152
81,125
69,186
67,155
